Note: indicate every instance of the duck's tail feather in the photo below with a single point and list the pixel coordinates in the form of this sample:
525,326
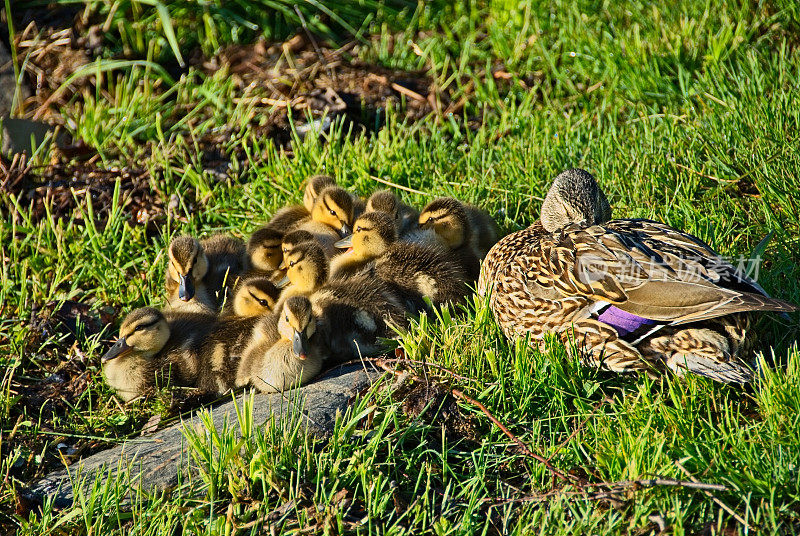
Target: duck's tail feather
732,371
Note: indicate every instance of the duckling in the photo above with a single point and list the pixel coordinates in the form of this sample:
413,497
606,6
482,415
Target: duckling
307,270
199,272
330,218
404,216
314,186
485,232
154,349
363,246
354,315
187,265
227,257
631,294
448,219
320,232
286,353
334,208
417,271
293,238
264,251
252,296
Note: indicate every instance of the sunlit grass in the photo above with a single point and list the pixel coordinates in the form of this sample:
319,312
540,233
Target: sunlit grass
688,115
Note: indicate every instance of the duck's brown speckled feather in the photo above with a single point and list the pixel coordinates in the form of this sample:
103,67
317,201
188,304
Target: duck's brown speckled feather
544,282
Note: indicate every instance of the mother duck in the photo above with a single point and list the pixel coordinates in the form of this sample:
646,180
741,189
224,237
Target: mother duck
626,294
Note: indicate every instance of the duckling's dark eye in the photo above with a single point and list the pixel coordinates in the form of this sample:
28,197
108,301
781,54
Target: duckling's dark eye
333,212
286,318
263,303
292,263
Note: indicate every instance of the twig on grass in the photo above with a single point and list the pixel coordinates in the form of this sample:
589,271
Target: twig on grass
398,186
613,489
707,490
528,452
382,363
605,490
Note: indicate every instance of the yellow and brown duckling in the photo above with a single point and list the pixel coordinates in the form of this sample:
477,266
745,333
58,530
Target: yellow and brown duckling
631,294
314,186
404,216
264,250
416,270
331,218
291,239
286,352
154,349
252,296
307,270
200,272
187,267
448,219
334,208
287,218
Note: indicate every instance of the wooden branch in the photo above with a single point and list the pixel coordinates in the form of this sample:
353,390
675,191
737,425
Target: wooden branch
555,472
382,363
714,498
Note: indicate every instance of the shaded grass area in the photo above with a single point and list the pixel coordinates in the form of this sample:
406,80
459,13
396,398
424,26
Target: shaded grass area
688,115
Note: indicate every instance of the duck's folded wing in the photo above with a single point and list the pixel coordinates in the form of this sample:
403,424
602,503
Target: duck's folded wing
657,274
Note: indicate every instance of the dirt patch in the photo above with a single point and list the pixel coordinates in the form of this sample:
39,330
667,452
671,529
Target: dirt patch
65,189
298,75
302,74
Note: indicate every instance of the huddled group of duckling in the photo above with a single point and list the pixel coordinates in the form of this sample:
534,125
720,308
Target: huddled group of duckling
321,283
624,294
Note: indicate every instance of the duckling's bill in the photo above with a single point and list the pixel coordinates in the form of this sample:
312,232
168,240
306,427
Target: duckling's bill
185,288
300,344
119,349
344,243
283,282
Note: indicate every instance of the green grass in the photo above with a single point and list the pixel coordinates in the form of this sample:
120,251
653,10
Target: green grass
693,118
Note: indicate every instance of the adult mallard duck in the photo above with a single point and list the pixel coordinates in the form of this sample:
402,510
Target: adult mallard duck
630,294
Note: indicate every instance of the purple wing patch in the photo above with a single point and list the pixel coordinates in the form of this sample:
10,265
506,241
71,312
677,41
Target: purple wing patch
623,322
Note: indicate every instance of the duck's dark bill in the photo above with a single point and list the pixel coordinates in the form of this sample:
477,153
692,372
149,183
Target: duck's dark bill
185,288
120,348
300,345
345,242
